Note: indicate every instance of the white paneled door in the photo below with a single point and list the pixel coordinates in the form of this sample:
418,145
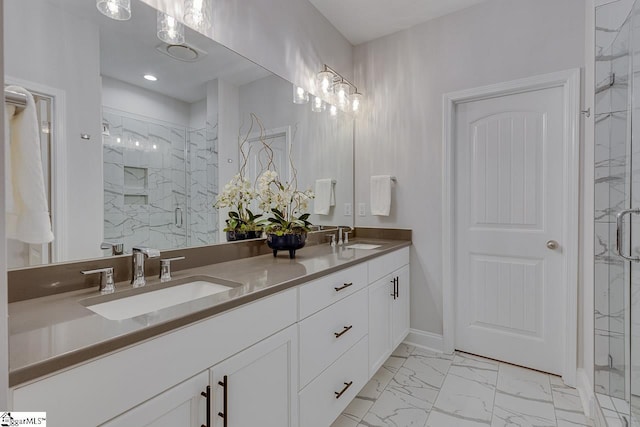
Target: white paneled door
509,190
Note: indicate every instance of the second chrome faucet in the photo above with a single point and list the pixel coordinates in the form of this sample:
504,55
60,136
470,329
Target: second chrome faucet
137,266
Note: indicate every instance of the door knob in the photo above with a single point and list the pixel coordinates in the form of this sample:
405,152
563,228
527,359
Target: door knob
552,244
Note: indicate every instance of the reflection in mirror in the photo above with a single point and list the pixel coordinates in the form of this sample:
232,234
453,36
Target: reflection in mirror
160,127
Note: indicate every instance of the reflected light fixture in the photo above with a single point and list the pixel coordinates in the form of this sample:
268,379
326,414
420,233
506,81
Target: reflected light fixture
333,111
197,14
170,30
120,10
150,77
300,96
318,105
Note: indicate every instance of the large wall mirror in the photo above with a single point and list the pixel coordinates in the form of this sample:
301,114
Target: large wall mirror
140,162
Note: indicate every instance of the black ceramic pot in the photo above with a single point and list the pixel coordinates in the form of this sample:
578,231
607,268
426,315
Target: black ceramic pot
286,242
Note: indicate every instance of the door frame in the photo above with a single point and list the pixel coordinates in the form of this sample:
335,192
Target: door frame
569,81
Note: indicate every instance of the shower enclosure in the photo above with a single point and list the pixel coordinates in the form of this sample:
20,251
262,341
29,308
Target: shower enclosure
617,212
160,182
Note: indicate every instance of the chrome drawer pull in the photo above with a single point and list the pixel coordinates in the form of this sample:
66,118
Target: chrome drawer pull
346,285
346,329
346,387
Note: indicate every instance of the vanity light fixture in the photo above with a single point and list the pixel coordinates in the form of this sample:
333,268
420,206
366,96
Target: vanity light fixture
318,105
332,84
197,15
170,30
150,77
120,10
300,96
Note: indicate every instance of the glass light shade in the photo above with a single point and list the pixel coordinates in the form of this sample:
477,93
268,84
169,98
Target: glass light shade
356,101
342,94
325,81
170,30
333,111
120,10
318,105
300,96
197,14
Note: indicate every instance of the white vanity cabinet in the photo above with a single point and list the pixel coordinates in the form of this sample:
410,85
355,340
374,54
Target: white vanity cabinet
183,405
103,389
258,386
389,298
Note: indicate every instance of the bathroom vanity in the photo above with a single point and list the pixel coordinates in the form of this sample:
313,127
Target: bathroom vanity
290,345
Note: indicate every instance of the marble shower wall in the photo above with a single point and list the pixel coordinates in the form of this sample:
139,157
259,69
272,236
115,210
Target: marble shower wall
160,181
614,33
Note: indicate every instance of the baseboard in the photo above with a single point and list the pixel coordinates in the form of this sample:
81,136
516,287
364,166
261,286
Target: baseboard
587,396
425,340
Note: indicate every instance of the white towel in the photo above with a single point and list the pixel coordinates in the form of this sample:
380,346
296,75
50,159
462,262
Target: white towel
381,195
325,196
27,208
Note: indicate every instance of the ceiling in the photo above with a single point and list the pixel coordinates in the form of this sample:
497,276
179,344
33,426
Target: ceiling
129,49
364,20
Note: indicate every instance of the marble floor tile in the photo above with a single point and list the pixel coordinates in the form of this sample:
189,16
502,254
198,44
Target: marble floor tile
572,419
467,393
514,410
421,388
396,409
524,383
374,388
343,421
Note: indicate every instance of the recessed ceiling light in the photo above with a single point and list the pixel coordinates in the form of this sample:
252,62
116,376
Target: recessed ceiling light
150,77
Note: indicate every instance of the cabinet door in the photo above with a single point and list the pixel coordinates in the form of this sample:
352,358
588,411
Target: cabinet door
258,386
182,405
380,297
400,307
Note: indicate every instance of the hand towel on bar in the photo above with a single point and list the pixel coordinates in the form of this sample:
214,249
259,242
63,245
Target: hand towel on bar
27,207
325,196
381,195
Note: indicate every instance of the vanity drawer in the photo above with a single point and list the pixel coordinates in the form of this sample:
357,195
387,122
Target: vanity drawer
316,295
381,266
319,404
319,345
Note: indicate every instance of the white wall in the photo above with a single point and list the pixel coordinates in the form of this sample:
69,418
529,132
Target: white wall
403,77
228,125
34,53
134,99
288,37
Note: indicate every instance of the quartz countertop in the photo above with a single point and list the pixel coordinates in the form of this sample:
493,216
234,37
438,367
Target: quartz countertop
55,332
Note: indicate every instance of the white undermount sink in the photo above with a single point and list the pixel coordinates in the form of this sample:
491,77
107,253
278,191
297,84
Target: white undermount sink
363,246
149,301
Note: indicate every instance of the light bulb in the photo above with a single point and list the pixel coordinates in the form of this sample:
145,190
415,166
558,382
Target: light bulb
137,143
120,10
197,14
333,111
325,81
342,94
299,95
155,147
118,140
170,30
318,105
356,100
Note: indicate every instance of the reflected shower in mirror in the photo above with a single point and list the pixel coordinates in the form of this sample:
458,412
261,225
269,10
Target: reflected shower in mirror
143,133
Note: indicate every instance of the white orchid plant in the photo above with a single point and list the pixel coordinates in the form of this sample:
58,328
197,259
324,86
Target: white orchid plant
288,205
237,196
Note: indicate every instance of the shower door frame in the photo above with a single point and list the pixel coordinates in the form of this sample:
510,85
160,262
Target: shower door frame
58,162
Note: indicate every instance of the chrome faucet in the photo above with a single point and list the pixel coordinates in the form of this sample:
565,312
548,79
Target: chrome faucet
137,259
341,229
106,279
